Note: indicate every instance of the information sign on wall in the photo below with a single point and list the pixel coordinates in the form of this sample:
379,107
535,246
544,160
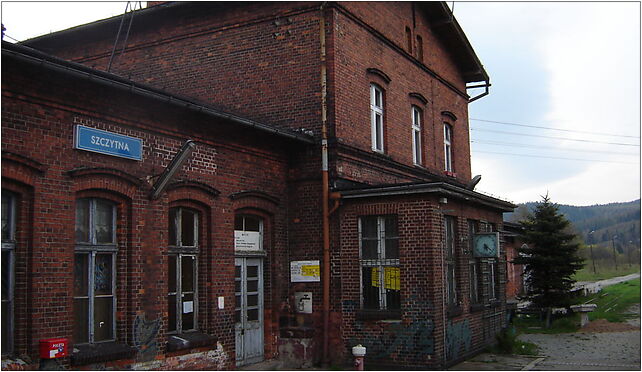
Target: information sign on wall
108,143
305,271
247,240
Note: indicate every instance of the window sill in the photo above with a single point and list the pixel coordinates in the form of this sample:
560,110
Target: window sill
101,352
378,315
189,341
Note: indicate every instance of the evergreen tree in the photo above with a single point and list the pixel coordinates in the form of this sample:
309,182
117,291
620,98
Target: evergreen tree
550,256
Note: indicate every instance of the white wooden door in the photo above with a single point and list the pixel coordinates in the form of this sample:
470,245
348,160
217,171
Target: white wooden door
248,281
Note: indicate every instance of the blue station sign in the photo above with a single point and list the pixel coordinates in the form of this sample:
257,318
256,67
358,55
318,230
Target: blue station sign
108,143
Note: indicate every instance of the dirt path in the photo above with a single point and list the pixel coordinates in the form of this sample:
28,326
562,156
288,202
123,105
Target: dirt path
598,346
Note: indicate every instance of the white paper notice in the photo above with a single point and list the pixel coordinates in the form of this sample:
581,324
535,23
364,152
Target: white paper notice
188,307
52,353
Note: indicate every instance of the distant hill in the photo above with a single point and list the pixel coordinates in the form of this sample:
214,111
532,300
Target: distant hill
607,220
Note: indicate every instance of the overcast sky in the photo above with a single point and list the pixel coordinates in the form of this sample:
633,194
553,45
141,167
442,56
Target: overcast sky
573,67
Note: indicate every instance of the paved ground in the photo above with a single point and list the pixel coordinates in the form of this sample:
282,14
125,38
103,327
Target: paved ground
599,346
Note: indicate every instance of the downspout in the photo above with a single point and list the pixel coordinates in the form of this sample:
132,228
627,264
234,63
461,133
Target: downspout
486,85
325,192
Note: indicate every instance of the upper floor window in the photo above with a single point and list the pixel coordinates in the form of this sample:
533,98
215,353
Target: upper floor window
95,271
182,270
376,117
448,160
416,135
248,233
380,274
420,48
8,248
409,40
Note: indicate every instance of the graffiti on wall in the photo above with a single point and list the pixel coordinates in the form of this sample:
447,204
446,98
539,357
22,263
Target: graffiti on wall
145,341
395,338
458,339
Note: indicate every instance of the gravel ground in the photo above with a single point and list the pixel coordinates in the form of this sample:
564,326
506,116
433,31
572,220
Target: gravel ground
596,349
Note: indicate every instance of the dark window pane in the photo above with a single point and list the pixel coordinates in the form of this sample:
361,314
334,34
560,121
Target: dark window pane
104,222
369,250
369,227
237,286
6,275
82,220
252,314
237,272
6,216
392,248
188,264
172,227
188,311
252,223
252,271
391,226
238,223
81,314
188,222
370,288
81,275
103,316
103,274
393,299
253,300
237,303
171,270
237,316
171,313
252,285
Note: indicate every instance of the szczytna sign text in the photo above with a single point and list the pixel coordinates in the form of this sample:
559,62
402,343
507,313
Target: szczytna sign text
108,143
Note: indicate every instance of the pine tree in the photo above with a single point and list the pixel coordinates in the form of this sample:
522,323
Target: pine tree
550,256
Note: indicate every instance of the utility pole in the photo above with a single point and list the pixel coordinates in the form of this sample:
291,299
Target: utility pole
614,253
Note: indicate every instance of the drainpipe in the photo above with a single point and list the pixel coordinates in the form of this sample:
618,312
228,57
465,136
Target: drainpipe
486,85
325,193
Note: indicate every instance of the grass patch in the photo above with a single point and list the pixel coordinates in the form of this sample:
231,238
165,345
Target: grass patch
613,301
533,324
507,343
604,272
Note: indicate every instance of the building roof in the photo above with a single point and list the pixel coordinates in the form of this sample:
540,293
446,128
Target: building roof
35,57
438,188
441,18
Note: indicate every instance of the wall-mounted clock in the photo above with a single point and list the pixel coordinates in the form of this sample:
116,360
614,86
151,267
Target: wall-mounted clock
486,245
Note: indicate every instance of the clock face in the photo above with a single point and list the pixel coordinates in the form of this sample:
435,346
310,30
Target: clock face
486,245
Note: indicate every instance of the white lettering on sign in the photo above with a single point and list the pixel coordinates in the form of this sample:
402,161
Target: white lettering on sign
110,143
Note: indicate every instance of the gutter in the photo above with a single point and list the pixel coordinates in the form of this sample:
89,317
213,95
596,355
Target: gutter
46,61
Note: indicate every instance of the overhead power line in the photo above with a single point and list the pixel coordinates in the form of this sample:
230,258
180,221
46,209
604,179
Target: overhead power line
553,137
557,129
512,144
554,157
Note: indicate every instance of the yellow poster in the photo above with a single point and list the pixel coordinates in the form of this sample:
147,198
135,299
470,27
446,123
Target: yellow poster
310,270
391,277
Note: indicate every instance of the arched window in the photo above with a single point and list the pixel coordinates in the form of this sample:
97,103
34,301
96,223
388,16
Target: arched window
448,156
376,117
416,135
95,271
182,270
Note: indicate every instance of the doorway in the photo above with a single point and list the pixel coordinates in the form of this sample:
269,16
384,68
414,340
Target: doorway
248,314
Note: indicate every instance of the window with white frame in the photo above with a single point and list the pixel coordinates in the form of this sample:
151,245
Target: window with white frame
416,135
8,249
473,265
182,269
451,260
95,271
376,117
380,273
448,161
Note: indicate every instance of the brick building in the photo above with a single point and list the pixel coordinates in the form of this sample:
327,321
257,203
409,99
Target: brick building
209,246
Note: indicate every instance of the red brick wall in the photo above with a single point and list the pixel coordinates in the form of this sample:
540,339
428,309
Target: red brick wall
39,111
425,331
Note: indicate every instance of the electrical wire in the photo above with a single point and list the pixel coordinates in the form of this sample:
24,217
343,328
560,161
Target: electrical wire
554,157
553,137
557,129
16,40
512,144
